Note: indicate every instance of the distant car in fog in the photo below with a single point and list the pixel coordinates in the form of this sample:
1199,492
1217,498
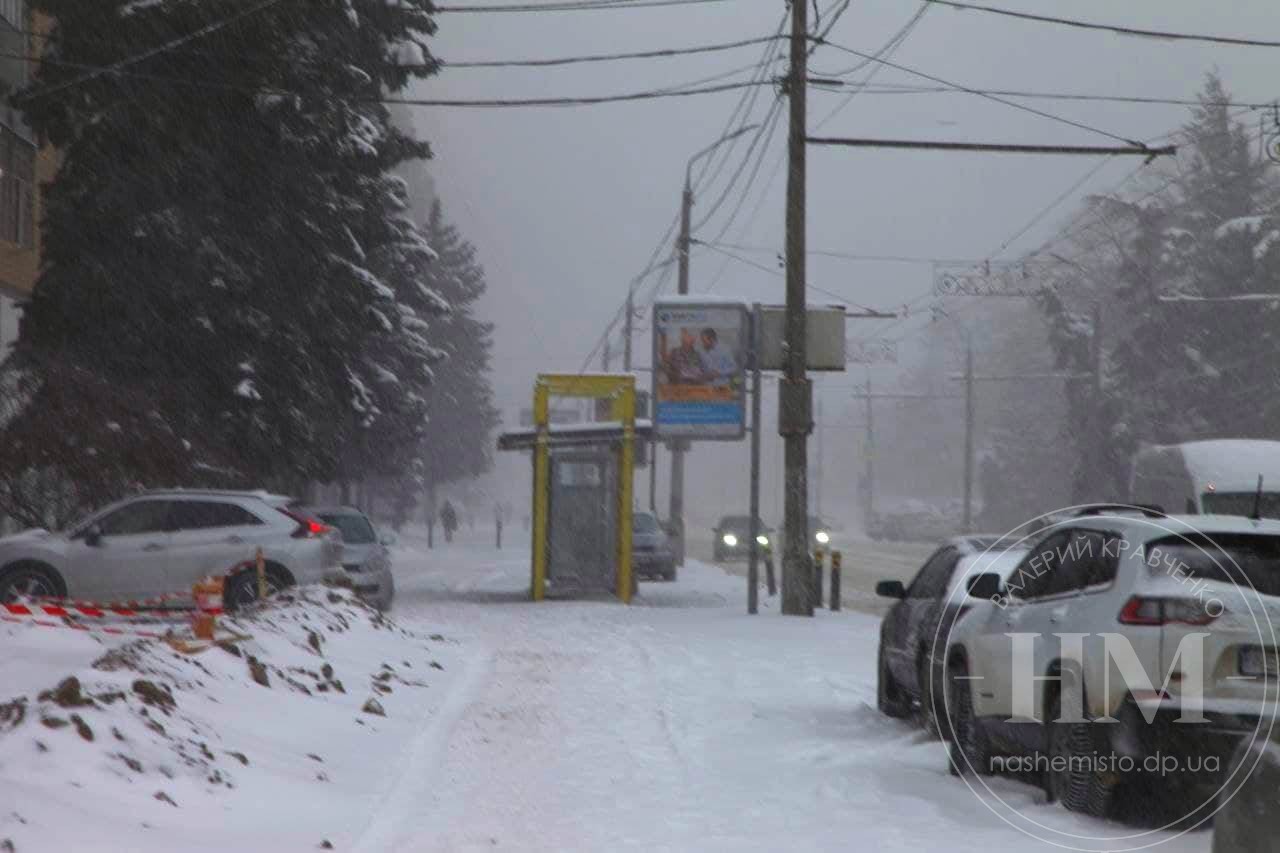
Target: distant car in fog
651,554
366,556
819,533
732,534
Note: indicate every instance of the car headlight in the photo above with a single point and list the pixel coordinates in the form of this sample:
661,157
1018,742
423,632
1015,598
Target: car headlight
762,539
730,540
822,537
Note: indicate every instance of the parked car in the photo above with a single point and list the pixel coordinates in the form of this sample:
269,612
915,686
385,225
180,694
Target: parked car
913,634
651,554
164,541
732,533
366,555
1153,582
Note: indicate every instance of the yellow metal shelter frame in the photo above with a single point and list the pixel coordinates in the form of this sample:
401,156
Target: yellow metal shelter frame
620,390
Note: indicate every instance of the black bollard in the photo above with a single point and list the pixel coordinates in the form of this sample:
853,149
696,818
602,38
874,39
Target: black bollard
836,558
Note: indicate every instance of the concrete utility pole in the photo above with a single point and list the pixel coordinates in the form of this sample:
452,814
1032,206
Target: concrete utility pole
753,526
817,484
675,509
795,392
626,330
868,452
605,354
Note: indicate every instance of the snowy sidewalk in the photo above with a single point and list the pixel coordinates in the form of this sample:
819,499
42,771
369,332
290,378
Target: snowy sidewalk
678,723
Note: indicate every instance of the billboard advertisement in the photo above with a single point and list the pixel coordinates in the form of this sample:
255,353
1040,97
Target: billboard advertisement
699,361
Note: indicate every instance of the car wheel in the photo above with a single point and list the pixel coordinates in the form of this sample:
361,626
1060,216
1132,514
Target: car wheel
890,698
930,699
30,580
1074,776
970,748
670,574
242,589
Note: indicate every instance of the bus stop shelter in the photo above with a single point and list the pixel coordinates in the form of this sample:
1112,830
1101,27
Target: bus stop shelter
582,487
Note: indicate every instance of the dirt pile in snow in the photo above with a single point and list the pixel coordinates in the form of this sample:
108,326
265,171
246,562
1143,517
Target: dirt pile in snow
146,728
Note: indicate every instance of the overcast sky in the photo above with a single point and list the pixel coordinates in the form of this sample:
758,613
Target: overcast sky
566,204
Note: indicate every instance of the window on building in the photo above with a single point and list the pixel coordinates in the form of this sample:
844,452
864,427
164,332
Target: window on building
17,188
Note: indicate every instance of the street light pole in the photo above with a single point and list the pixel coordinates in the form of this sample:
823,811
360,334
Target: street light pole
675,509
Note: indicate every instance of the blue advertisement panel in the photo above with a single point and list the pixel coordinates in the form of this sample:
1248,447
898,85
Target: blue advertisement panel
699,360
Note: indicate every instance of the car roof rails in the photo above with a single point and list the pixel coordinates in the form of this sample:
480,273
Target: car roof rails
1148,510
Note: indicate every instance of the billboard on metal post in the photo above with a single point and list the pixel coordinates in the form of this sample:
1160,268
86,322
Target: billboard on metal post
699,361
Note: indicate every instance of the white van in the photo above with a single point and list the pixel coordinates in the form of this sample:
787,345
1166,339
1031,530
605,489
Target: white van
1218,477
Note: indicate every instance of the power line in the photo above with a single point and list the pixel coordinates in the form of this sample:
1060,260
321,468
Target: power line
1067,234
1014,104
206,30
607,57
774,111
1113,28
581,6
890,89
572,102
992,147
850,256
781,274
743,108
720,158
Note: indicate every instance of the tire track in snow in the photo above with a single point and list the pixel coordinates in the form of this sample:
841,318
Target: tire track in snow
410,788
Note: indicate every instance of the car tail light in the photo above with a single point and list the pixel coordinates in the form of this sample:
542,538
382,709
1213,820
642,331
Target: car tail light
308,528
1141,610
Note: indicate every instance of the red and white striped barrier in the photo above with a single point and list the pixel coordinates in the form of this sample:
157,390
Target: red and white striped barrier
92,629
70,611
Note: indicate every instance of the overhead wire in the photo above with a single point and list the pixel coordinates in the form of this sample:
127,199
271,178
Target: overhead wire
172,44
660,53
979,93
887,49
1118,29
574,6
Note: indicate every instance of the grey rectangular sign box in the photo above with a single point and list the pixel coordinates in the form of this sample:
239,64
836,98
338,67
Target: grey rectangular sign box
824,334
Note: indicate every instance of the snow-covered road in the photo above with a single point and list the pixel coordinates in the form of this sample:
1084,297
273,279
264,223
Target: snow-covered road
678,723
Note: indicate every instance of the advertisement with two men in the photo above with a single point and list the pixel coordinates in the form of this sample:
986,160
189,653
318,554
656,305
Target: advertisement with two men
700,352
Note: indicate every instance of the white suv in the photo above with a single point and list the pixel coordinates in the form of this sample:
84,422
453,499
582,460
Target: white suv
164,541
1118,638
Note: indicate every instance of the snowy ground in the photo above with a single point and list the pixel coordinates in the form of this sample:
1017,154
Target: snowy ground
679,723
207,757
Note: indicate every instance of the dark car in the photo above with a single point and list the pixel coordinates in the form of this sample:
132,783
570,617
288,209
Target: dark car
914,632
651,554
732,535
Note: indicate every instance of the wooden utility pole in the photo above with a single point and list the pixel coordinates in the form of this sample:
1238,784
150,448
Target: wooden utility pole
795,392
